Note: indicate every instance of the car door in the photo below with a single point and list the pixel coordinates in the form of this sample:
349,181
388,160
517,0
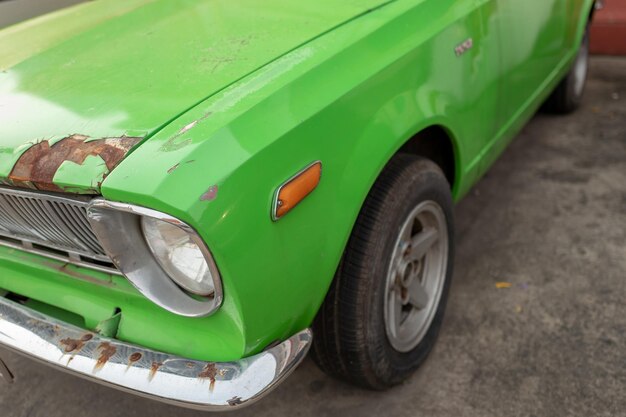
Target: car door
533,40
533,37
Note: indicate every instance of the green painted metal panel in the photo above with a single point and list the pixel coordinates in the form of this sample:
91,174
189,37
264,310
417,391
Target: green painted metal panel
115,68
237,99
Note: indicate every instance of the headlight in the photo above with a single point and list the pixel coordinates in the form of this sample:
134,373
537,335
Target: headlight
163,257
178,254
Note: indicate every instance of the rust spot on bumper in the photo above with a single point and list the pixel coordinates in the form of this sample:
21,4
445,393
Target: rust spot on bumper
153,370
209,372
75,345
107,350
71,345
37,166
133,358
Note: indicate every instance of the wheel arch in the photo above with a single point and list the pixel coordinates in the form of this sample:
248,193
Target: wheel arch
595,5
586,15
436,143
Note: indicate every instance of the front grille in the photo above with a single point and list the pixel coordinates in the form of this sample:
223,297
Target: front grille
51,225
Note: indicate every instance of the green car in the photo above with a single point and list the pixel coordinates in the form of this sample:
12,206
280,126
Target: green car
194,193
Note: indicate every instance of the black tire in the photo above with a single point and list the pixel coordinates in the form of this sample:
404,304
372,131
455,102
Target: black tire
569,93
350,338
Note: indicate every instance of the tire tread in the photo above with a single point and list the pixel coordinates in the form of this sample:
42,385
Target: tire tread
340,330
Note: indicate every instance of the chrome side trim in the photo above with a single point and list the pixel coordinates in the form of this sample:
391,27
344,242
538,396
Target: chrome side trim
118,228
210,386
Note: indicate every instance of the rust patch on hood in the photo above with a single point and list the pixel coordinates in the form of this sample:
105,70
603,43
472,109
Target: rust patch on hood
37,166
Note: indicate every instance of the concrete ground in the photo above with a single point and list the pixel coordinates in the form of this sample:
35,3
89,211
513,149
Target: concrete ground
549,218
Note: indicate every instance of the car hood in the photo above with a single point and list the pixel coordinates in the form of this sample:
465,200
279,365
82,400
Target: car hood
79,88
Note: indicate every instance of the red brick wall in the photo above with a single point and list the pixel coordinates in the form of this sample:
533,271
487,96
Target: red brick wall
608,31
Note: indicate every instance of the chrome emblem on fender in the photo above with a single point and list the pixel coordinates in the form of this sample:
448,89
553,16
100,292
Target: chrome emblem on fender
464,47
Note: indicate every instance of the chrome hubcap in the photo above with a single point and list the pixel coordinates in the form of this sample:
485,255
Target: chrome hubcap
416,276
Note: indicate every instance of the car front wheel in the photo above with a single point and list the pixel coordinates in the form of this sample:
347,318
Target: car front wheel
384,309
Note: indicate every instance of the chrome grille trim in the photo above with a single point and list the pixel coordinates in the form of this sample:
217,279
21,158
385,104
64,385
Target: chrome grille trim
51,225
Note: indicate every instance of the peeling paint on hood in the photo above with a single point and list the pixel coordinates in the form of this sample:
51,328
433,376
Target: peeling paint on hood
74,164
127,68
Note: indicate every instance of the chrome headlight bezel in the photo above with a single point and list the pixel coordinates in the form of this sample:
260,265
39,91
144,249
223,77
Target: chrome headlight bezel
118,228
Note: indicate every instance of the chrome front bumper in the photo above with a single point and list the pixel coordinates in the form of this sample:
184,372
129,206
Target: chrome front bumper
189,383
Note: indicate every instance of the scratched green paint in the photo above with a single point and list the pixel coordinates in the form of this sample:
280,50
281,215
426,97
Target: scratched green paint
298,92
114,68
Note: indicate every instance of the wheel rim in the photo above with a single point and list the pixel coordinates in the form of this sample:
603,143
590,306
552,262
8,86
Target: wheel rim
580,68
416,276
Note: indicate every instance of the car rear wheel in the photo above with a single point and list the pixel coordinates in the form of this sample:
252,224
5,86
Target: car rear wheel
568,94
384,309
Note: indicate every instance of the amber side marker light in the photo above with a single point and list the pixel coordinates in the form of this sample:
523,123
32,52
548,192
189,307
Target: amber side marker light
295,189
